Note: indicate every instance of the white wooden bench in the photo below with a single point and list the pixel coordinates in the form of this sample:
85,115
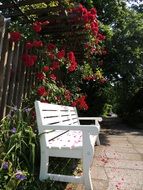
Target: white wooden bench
61,135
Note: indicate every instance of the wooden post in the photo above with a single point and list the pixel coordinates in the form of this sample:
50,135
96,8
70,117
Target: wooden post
13,76
18,77
21,84
6,79
2,31
3,65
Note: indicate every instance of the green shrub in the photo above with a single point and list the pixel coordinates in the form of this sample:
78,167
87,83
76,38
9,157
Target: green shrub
17,146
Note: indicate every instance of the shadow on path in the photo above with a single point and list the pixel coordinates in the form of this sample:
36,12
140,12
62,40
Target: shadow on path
115,127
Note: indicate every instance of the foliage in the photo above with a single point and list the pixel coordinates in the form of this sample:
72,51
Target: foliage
59,78
123,62
17,141
107,109
134,115
127,57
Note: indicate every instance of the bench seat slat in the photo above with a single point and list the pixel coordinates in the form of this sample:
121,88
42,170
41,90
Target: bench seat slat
51,106
55,121
49,113
55,107
53,113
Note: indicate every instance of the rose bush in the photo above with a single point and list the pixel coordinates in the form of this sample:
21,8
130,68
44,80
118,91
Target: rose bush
58,79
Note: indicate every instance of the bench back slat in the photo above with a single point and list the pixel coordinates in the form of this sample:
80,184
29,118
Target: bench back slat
52,114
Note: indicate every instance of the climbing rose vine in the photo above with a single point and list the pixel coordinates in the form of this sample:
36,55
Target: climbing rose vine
57,73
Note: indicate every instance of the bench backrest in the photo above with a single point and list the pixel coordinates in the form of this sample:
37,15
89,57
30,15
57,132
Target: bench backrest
52,114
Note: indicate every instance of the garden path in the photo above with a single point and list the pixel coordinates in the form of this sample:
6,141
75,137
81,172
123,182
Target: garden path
118,161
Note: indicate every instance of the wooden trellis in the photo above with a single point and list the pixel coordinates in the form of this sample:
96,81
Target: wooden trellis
15,79
14,76
60,27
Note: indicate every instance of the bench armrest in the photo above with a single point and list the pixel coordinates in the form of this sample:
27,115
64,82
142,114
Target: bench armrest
91,118
96,119
93,129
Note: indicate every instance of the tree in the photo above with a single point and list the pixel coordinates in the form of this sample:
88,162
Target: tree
123,64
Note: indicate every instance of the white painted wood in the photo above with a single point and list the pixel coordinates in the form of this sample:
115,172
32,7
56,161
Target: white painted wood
62,135
90,118
65,178
88,152
66,152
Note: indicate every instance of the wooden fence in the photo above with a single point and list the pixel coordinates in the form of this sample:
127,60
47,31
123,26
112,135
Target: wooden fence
15,78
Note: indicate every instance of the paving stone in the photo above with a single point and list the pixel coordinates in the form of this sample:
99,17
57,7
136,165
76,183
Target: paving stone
98,173
120,149
126,175
121,144
116,138
117,142
137,134
118,155
116,163
139,149
136,140
121,185
100,184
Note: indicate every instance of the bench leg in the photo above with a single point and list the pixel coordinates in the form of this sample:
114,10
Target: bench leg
87,177
87,159
98,141
44,165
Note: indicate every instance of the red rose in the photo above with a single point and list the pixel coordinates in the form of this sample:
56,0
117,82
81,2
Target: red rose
95,31
37,26
37,43
61,54
73,63
85,18
91,17
74,103
40,76
45,68
71,56
93,11
67,95
51,56
72,67
94,24
84,11
53,77
55,65
28,45
81,103
15,36
41,91
51,47
101,37
34,57
29,60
